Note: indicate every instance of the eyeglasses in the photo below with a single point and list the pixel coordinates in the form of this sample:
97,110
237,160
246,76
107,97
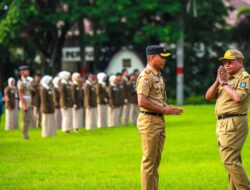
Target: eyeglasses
229,61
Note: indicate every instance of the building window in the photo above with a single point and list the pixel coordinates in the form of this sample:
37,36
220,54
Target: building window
126,62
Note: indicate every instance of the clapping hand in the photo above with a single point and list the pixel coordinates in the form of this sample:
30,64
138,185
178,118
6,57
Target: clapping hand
222,75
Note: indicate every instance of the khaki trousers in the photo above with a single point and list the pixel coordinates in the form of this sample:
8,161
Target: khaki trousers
152,132
48,125
102,115
77,118
125,114
67,124
37,117
90,118
11,120
133,114
58,118
27,117
231,135
114,116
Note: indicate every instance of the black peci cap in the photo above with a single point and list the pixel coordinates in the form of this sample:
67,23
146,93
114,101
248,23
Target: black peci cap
24,67
156,49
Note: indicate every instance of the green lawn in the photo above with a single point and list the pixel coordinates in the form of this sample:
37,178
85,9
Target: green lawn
109,159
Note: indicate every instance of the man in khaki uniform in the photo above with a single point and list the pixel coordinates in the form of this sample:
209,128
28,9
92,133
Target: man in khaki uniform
231,91
24,91
150,123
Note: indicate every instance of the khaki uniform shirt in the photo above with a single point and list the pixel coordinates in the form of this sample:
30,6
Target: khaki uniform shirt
240,82
150,83
25,86
11,93
77,95
47,104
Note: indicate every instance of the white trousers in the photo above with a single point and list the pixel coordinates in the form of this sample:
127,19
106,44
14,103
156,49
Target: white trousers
48,125
58,118
102,115
67,124
90,118
11,120
114,116
77,118
133,114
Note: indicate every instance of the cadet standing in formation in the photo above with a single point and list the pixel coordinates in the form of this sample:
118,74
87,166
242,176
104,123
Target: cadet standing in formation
24,92
11,105
66,103
114,102
90,103
133,114
111,101
126,106
151,90
231,91
36,100
56,101
77,95
47,107
102,101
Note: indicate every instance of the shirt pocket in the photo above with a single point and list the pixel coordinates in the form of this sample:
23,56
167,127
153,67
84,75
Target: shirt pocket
157,88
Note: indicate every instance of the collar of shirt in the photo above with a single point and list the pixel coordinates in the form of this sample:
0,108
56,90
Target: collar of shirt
237,75
154,71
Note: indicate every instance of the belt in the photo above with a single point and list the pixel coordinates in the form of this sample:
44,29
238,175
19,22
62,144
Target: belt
151,113
229,115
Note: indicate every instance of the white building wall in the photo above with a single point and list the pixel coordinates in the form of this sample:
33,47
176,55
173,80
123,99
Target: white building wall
116,64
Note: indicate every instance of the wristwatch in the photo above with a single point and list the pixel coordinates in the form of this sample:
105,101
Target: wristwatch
224,83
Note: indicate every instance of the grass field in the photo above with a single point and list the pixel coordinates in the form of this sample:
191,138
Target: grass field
109,159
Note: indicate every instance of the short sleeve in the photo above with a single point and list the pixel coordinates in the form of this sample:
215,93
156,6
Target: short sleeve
144,83
243,87
19,85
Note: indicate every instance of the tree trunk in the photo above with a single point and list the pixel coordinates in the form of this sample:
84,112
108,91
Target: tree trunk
82,64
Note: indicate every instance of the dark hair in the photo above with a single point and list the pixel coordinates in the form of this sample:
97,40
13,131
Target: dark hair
136,70
118,74
124,70
38,74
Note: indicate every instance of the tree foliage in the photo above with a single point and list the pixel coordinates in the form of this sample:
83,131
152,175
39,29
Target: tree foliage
33,26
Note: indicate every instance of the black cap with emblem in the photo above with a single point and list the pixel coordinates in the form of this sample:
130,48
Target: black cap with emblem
24,67
156,49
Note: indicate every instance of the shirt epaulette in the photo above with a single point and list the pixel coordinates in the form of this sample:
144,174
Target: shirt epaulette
147,71
245,74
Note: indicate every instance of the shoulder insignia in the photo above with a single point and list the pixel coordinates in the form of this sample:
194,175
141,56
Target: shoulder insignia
146,80
243,84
